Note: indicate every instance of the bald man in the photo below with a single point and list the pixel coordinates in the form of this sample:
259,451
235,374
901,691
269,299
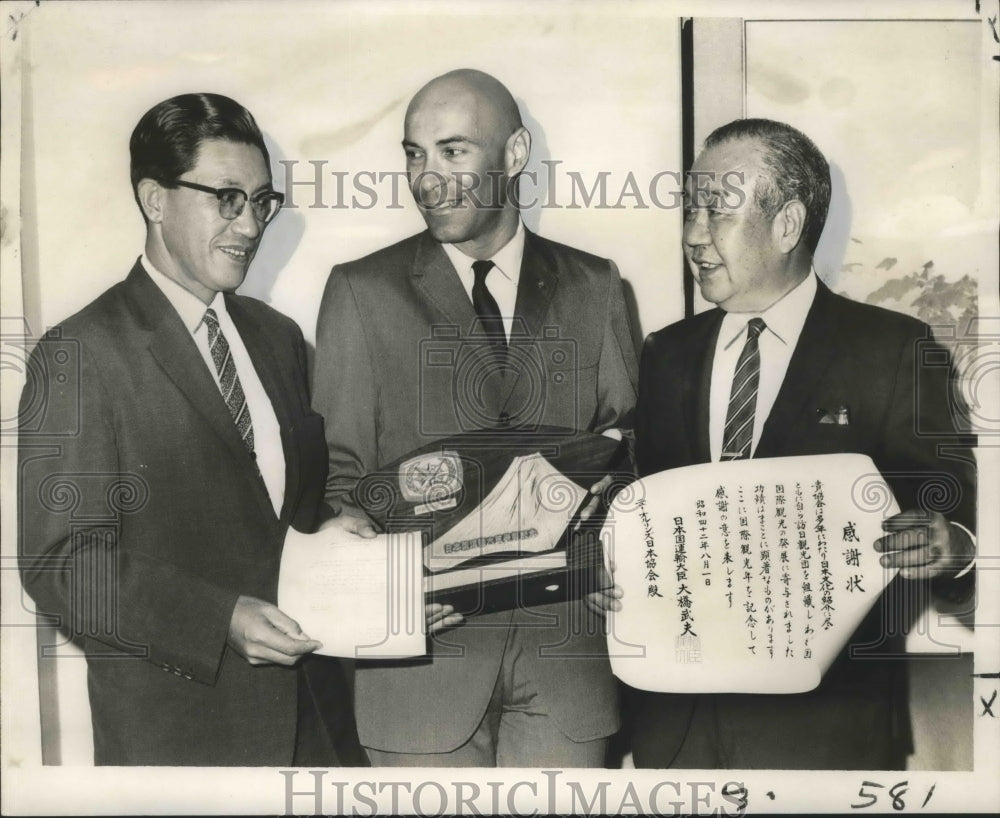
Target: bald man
525,688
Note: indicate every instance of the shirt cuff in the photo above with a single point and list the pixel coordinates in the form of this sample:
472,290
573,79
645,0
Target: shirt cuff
972,562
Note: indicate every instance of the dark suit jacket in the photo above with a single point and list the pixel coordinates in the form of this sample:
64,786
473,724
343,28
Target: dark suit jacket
142,519
904,414
391,376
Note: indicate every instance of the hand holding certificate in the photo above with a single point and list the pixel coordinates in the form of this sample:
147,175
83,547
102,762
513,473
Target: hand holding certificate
744,577
362,598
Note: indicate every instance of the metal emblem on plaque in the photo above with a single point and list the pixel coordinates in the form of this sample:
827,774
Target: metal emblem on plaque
433,481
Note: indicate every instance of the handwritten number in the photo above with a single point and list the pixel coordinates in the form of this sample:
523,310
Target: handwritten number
863,794
897,793
930,792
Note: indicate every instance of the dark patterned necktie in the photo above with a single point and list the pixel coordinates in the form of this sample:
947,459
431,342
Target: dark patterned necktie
229,381
486,306
738,435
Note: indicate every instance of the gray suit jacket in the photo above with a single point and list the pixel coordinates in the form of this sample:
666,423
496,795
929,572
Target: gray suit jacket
142,519
392,374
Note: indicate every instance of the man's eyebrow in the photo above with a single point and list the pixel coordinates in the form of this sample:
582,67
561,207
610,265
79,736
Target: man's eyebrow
261,188
448,140
451,140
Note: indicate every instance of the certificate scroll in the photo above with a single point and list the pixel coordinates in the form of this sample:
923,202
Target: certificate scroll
747,576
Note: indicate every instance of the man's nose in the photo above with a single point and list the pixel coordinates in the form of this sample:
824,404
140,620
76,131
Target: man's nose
246,224
432,185
696,228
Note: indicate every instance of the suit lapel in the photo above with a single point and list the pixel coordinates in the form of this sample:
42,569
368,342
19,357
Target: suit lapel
275,382
812,357
435,277
536,287
696,407
176,353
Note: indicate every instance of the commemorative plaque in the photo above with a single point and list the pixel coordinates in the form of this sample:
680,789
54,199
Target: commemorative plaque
501,514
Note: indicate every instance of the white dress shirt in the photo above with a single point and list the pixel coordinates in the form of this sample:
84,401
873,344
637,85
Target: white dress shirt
501,281
784,320
266,431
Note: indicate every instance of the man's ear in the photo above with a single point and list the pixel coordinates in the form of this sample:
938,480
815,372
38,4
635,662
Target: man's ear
151,199
788,225
517,150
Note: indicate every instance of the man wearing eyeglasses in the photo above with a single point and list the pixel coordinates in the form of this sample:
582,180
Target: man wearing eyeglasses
185,431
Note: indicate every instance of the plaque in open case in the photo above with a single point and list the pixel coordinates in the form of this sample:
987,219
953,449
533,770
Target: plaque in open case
499,514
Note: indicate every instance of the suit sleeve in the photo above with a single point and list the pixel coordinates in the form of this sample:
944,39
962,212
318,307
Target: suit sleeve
926,434
75,556
928,443
344,390
644,437
617,374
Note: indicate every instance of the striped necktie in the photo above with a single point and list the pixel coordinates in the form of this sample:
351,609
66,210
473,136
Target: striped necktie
738,434
229,381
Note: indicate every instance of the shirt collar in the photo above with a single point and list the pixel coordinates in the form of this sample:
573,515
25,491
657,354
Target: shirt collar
507,259
785,318
189,307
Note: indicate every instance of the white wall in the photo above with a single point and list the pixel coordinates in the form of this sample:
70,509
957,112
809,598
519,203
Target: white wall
329,82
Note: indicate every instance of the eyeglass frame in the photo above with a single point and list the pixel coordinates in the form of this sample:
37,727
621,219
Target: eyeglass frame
219,192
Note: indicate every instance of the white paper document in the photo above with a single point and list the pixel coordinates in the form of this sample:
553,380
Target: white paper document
363,599
747,576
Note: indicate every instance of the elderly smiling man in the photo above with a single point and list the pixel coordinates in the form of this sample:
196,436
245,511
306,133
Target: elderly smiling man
751,379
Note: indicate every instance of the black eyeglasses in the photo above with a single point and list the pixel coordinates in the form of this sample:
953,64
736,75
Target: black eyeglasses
232,200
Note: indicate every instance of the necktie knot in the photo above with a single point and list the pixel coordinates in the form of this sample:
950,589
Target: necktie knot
754,328
480,269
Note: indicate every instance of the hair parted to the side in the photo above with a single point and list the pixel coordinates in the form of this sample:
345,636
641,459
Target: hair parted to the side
794,168
165,142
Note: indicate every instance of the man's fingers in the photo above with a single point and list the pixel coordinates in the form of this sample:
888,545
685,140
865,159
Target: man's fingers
603,601
904,540
363,528
263,655
441,616
435,610
448,621
600,485
274,640
282,622
913,558
276,634
596,490
589,510
913,518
